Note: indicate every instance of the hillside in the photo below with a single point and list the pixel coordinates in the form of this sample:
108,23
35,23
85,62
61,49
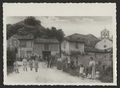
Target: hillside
33,26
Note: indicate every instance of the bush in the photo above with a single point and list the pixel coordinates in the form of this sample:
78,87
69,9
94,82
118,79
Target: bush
107,75
9,69
75,71
107,79
11,56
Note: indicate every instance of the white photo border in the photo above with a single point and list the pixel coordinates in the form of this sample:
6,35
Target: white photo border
57,9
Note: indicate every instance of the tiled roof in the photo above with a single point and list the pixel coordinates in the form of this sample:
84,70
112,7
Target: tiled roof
43,40
29,36
89,40
91,49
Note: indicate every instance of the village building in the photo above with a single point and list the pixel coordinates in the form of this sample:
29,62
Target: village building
106,46
12,42
29,46
71,45
25,48
45,47
76,45
80,48
105,43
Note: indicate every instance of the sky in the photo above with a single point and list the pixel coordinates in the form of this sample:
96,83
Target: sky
72,24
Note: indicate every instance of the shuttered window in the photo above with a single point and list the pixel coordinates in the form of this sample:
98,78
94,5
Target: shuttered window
23,44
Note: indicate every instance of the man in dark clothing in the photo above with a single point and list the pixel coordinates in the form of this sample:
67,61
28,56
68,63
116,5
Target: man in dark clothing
48,61
36,64
51,60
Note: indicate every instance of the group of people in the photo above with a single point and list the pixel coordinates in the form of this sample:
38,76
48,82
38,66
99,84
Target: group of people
30,63
84,71
88,71
50,60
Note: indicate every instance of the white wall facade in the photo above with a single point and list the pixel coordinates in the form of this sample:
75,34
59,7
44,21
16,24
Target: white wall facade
68,47
39,48
25,51
104,44
65,47
79,48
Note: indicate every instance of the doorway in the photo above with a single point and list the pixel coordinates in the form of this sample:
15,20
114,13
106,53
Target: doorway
46,54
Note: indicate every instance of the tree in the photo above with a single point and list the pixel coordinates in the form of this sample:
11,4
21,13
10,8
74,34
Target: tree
60,36
11,56
55,33
13,28
31,25
32,21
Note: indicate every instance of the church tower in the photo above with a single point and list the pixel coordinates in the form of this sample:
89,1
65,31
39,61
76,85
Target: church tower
105,34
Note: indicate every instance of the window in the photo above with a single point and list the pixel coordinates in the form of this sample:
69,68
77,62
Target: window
105,46
76,45
46,47
53,47
29,53
23,44
22,53
15,43
29,44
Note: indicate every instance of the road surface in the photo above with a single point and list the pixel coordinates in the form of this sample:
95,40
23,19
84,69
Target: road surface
45,76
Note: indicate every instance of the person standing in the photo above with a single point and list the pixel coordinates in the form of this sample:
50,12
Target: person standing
86,71
31,64
24,64
36,64
68,62
51,61
48,61
16,66
81,71
59,63
92,66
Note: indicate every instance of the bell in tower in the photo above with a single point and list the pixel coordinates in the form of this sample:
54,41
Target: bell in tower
104,34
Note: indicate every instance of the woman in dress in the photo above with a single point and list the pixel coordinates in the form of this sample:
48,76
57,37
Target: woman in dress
92,66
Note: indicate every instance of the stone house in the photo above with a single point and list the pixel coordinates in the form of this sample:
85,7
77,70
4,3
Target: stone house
80,48
105,41
45,47
40,46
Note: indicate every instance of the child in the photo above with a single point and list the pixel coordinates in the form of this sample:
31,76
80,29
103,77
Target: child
81,71
16,66
86,71
25,64
97,74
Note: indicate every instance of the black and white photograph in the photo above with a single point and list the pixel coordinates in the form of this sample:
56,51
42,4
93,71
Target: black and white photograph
49,45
